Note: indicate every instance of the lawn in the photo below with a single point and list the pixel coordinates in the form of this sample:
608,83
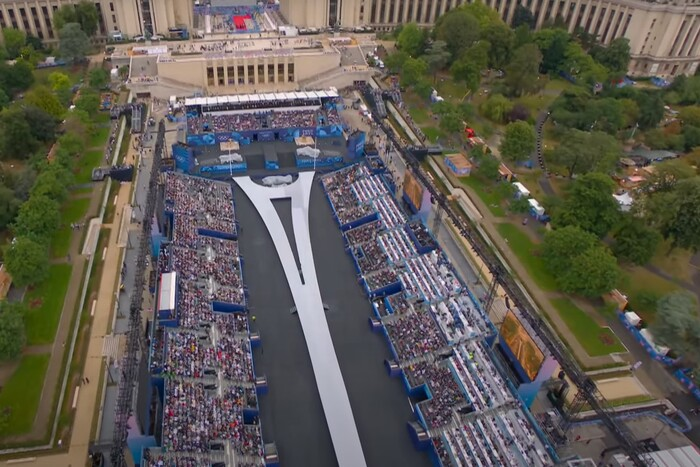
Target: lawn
45,303
643,288
526,251
41,75
99,139
488,193
73,211
595,340
87,162
21,394
675,263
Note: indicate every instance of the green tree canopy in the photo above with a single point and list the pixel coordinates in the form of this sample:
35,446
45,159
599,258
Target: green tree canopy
15,78
38,219
592,273
690,115
414,69
43,98
52,183
496,108
411,40
589,205
9,205
502,40
522,73
88,102
394,62
12,330
58,81
635,242
14,41
98,78
466,71
614,57
64,15
27,261
561,245
553,44
583,152
42,126
88,17
459,29
518,141
436,56
677,325
523,17
677,213
666,176
16,139
73,43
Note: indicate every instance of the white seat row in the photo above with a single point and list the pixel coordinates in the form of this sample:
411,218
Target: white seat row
389,212
397,245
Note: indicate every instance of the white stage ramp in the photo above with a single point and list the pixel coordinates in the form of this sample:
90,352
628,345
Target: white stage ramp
307,298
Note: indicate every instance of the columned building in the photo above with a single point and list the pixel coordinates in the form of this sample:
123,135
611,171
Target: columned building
664,35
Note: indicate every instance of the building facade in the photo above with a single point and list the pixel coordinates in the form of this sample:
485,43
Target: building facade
664,36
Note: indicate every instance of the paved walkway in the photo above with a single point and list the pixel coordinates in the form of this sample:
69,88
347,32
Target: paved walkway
90,394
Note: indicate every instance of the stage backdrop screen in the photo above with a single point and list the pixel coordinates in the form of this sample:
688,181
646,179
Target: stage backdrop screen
413,190
521,344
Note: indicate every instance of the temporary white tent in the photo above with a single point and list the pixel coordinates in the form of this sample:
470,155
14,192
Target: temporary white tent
632,318
650,339
521,192
625,201
536,207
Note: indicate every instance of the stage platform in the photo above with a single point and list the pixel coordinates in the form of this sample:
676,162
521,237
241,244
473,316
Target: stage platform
254,156
293,414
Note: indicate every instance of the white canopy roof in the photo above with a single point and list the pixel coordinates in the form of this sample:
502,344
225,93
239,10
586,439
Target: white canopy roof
279,96
168,286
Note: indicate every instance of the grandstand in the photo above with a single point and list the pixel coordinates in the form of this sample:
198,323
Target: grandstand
201,346
233,134
437,332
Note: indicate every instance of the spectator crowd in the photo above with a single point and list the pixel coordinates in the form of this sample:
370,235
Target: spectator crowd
210,394
433,325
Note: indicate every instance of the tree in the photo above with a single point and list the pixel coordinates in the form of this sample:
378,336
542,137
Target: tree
73,43
635,242
34,42
651,109
72,143
562,244
413,70
677,213
394,62
518,112
12,330
614,57
691,137
553,43
50,183
38,218
583,152
590,205
14,41
459,29
58,80
690,115
42,98
98,78
501,38
27,261
64,15
478,54
451,122
496,108
42,126
4,99
9,204
468,72
518,142
488,166
16,140
523,16
592,273
436,57
88,17
411,40
666,176
522,73
677,325
90,102
17,77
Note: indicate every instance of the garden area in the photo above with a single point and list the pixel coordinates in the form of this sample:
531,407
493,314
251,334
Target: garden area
473,76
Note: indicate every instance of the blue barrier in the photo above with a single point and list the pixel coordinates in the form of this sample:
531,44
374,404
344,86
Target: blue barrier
224,168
